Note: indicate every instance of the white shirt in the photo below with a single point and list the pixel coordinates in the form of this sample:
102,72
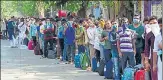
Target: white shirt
3,25
158,39
91,34
97,38
22,27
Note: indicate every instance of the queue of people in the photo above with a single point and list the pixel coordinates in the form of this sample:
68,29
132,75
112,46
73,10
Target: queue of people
126,44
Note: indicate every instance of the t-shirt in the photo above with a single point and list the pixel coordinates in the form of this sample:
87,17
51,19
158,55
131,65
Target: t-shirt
11,25
107,44
69,36
139,30
158,40
125,39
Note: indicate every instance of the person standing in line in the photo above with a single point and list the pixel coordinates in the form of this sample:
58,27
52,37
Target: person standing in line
33,30
98,32
158,50
113,39
145,22
22,28
80,37
61,38
153,32
137,26
91,38
101,44
48,36
69,42
3,29
126,46
11,26
104,38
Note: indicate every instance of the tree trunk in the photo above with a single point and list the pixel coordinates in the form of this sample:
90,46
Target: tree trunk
82,12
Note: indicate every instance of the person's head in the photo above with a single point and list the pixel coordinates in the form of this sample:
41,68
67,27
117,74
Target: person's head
90,23
145,21
96,23
12,18
115,25
153,20
65,24
48,20
101,23
160,22
33,20
22,20
136,19
108,24
85,24
153,24
124,21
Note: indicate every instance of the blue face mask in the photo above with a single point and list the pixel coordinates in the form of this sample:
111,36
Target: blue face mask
136,21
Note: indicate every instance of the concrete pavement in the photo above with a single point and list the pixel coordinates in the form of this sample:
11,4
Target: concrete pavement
22,64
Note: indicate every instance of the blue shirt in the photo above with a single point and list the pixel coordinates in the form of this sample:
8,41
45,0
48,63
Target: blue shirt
69,36
33,30
60,32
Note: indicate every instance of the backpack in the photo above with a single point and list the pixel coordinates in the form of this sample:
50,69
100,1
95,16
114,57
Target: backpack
140,73
77,61
37,49
128,73
84,61
100,69
31,45
49,32
108,70
52,54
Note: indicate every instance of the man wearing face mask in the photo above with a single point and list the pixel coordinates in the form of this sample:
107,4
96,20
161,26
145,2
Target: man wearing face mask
33,31
152,30
137,26
48,36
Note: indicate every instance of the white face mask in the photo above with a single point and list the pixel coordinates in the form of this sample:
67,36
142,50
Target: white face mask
155,29
148,28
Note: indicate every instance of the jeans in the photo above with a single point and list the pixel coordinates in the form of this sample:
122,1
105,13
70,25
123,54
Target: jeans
81,49
61,43
128,56
107,54
102,51
50,41
69,52
115,58
34,40
11,33
138,55
97,53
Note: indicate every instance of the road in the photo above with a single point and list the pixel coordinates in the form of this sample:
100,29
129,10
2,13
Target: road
22,64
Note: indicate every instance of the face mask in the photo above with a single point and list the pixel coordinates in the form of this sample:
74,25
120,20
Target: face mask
148,28
135,21
155,29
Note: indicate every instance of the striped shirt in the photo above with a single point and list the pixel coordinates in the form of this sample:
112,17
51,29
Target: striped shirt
126,39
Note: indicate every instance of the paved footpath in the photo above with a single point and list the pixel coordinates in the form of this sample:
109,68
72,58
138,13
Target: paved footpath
22,64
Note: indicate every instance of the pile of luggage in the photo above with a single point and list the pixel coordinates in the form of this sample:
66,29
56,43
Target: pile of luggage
106,69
